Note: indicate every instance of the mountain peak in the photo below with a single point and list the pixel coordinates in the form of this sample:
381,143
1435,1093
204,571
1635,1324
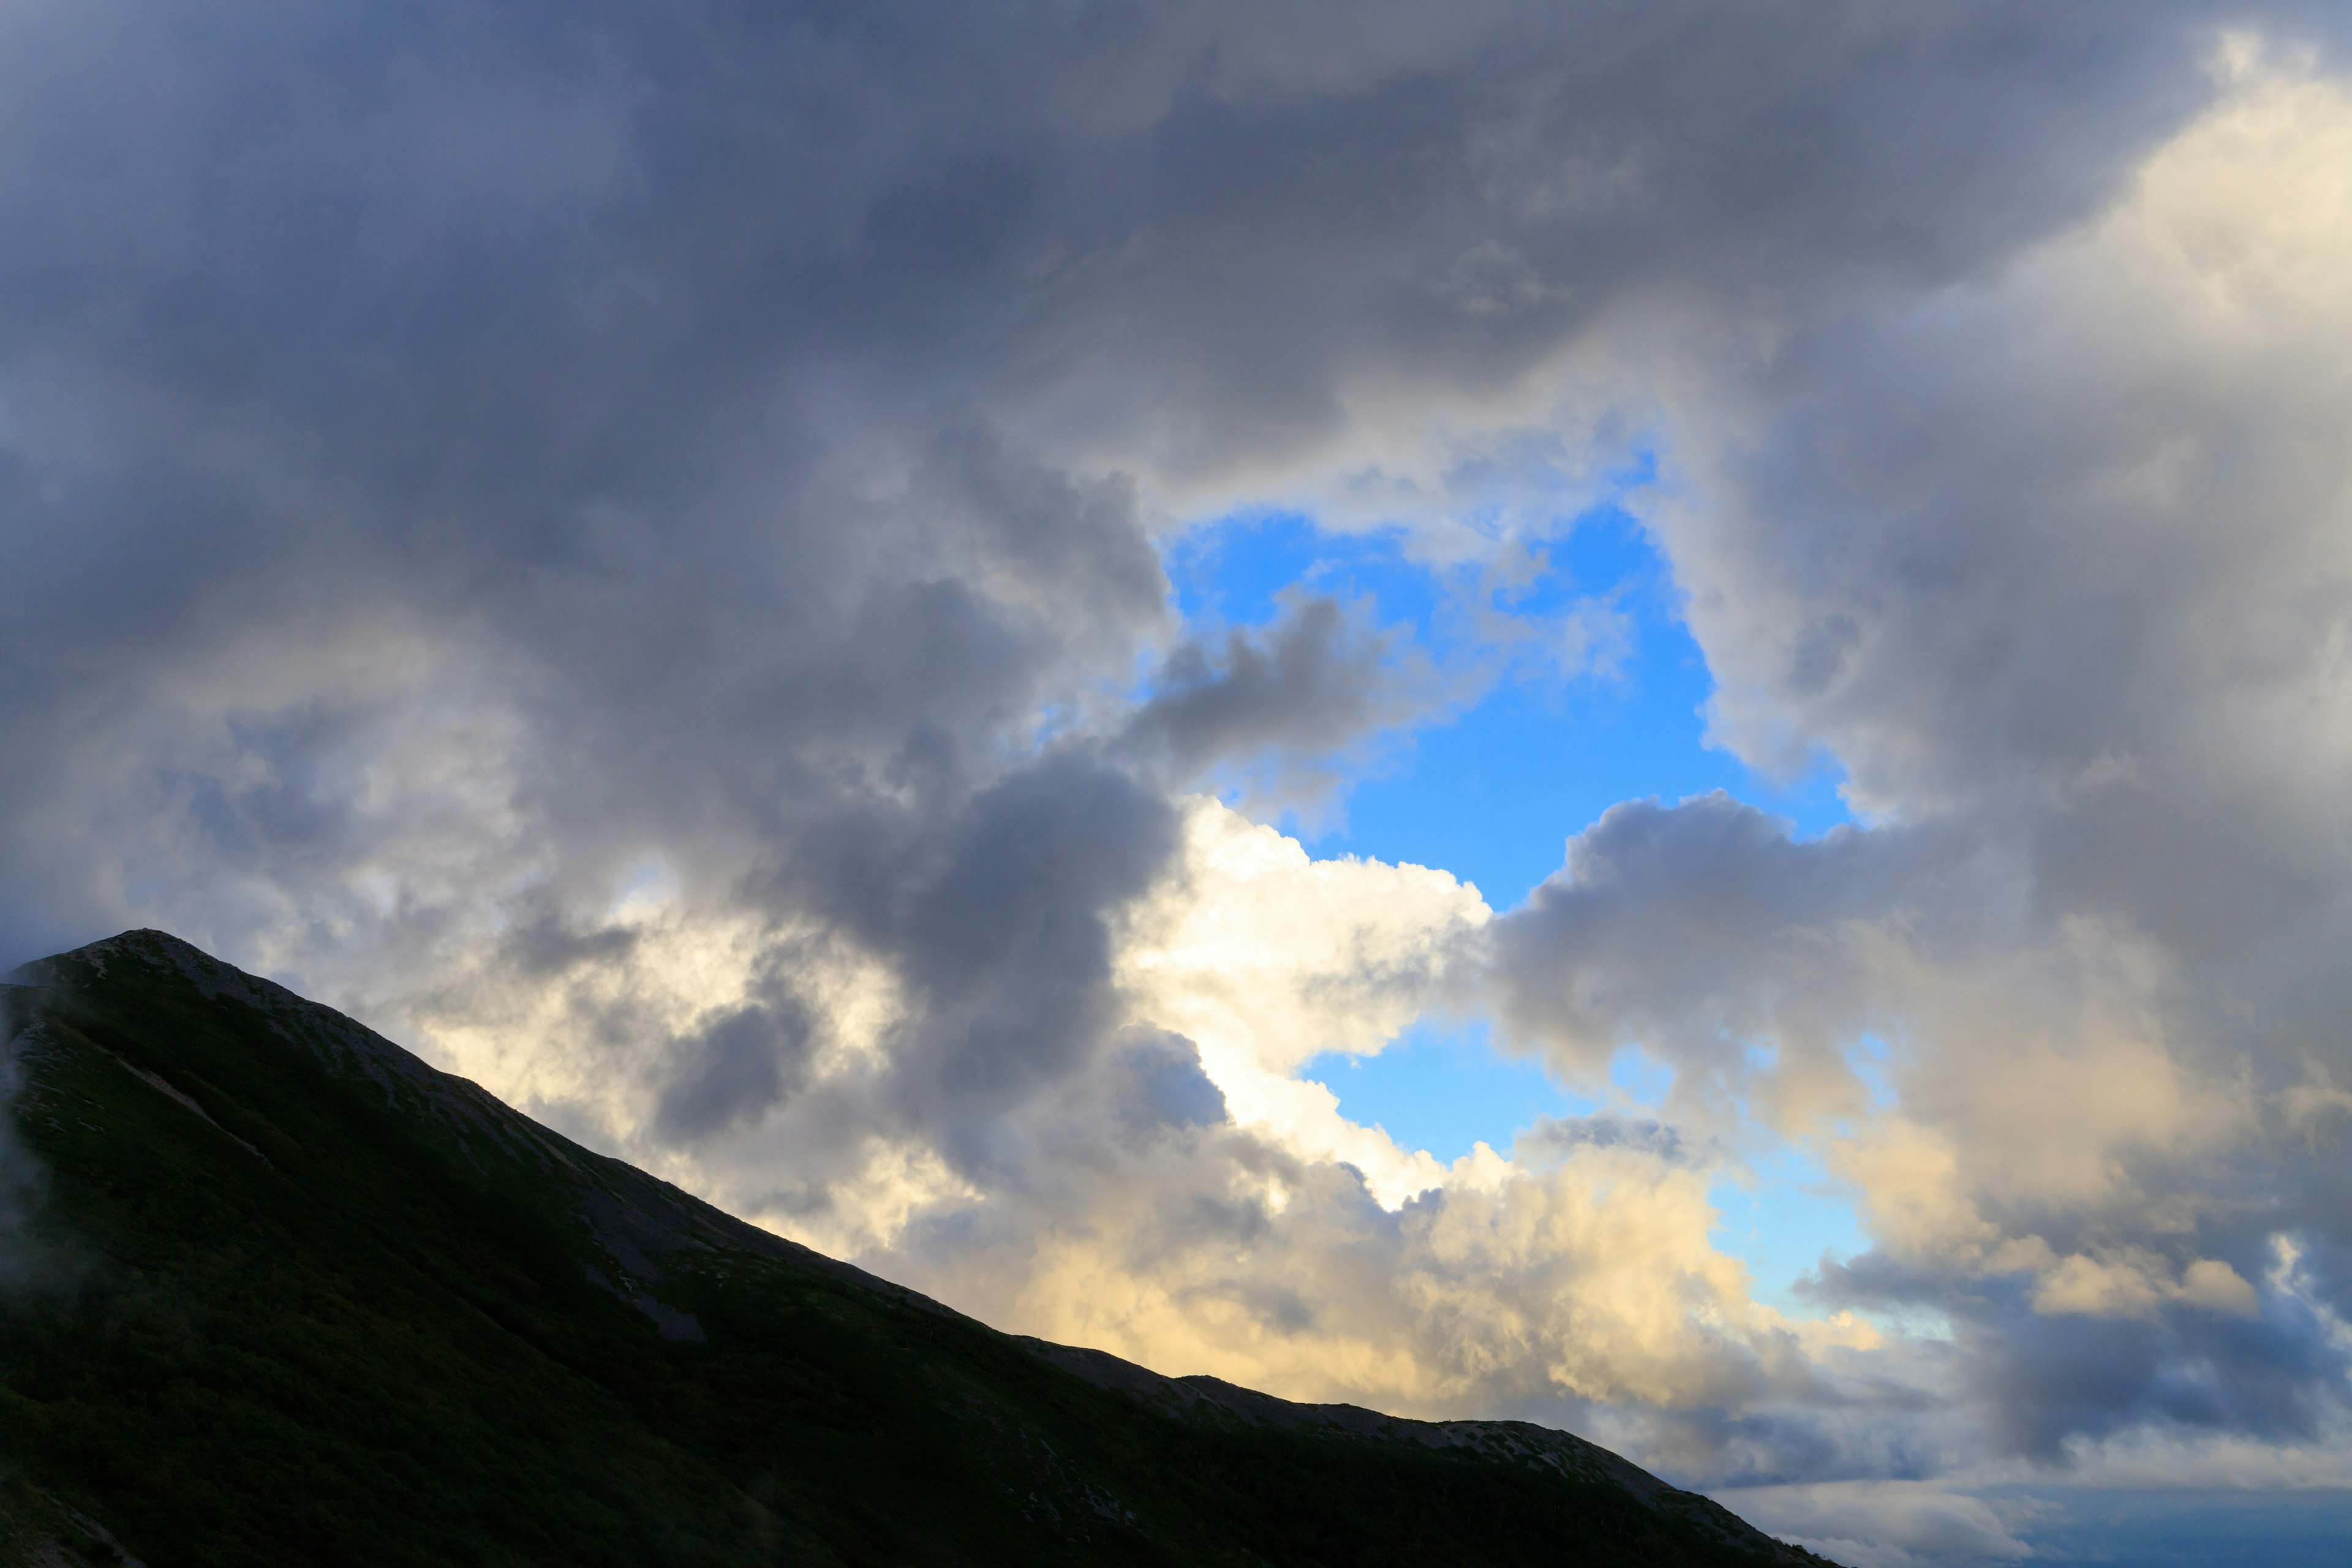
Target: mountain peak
282,1258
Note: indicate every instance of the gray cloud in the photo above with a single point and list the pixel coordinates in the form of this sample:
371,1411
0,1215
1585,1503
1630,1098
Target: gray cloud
735,1068
1311,684
1562,1134
2057,586
1006,936
1699,930
1162,1085
464,472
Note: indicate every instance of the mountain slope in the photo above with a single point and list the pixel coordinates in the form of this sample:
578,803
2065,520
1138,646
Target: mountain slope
291,1296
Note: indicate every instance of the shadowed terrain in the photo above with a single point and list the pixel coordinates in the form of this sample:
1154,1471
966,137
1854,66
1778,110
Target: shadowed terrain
284,1294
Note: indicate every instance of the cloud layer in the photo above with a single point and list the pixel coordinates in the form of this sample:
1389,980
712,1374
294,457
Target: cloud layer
624,546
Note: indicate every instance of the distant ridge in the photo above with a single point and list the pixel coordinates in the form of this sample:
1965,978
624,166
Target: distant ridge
295,1296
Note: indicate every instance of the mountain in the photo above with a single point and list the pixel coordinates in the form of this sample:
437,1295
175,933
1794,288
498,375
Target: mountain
272,1290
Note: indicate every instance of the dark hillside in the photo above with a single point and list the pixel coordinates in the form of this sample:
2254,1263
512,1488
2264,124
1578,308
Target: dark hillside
290,1296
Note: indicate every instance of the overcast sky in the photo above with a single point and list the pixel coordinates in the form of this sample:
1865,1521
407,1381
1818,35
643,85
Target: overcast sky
1635,714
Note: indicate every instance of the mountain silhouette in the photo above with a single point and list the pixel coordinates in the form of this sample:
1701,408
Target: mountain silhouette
273,1291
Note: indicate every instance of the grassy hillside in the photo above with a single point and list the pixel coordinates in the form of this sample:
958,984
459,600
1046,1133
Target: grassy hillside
287,1295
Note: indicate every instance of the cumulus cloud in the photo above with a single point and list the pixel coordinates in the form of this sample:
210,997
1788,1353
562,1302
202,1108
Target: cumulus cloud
2043,560
622,546
1266,959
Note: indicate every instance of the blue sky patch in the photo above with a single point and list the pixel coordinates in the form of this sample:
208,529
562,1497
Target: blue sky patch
1492,792
1442,1090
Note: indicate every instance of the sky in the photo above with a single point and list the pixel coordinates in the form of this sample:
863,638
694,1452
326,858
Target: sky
1637,716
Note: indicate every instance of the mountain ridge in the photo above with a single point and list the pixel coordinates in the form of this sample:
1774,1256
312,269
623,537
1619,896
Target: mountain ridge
224,1051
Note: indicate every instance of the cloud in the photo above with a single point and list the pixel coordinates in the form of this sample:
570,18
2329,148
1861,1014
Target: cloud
734,1068
1563,1134
1310,685
619,546
1888,1524
1699,929
1163,1086
2041,559
1268,958
1593,1282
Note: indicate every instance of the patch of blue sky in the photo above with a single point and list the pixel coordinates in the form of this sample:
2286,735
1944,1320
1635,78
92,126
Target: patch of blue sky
1871,1062
1779,1214
1446,1089
1443,1090
1641,1081
1492,792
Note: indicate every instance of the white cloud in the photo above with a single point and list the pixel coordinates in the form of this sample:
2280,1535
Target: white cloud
1266,958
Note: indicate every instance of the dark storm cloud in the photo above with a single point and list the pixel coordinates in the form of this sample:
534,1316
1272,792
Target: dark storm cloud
539,941
734,1069
471,271
1004,926
592,341
497,426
